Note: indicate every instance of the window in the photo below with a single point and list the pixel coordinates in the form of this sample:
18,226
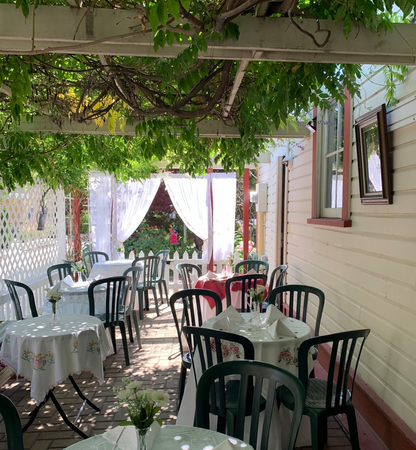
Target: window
331,150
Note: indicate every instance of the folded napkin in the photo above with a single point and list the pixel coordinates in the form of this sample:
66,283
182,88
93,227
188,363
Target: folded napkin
125,438
251,272
228,445
273,313
232,314
68,281
98,277
211,275
278,329
225,324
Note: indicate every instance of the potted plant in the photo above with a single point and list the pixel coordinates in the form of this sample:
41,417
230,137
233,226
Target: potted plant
43,212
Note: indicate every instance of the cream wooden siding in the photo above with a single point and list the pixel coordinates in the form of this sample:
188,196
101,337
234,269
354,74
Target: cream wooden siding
368,271
268,174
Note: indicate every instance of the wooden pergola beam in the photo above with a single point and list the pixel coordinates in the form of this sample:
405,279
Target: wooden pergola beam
207,128
62,29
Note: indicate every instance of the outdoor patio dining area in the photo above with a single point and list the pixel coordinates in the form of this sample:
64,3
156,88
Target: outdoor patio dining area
157,364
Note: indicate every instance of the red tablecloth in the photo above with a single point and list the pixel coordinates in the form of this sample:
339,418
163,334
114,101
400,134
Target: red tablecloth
218,286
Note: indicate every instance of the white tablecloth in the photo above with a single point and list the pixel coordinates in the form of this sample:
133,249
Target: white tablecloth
75,300
110,268
46,354
281,353
170,437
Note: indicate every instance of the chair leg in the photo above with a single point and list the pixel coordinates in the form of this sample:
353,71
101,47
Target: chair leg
130,328
141,299
166,290
113,338
136,326
352,426
317,430
125,344
160,292
156,300
182,379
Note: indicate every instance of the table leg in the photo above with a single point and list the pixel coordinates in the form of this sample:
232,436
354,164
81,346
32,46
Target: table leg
58,406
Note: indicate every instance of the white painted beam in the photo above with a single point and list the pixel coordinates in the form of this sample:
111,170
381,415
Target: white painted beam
207,128
61,29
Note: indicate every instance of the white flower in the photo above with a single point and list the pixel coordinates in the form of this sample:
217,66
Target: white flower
53,296
134,385
160,397
125,394
260,289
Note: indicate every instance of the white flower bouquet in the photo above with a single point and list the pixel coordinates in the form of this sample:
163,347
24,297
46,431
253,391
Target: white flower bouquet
257,294
53,297
142,405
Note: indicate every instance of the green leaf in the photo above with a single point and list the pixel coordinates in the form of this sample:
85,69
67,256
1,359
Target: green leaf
231,30
173,6
153,18
162,12
186,4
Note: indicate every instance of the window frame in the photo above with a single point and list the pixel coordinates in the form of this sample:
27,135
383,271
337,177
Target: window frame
344,221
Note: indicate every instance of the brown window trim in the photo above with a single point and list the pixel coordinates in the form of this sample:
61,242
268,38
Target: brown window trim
344,221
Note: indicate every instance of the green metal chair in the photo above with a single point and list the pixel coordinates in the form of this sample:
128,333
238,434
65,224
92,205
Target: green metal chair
243,283
148,263
63,270
209,347
277,278
185,273
299,297
333,395
12,288
186,311
261,267
90,258
255,378
130,310
11,419
115,298
159,273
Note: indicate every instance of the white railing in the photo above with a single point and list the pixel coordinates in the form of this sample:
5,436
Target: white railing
39,284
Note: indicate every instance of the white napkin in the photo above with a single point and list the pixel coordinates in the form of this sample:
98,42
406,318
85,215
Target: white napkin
278,329
251,272
227,445
68,281
126,439
232,314
225,324
273,313
57,286
98,277
211,275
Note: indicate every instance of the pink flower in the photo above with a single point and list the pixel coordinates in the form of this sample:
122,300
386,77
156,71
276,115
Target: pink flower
234,349
224,350
212,344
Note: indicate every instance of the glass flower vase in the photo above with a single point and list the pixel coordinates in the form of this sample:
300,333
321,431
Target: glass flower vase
142,438
255,313
54,320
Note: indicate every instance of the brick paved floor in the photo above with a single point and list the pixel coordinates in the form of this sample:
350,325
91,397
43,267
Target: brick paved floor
156,364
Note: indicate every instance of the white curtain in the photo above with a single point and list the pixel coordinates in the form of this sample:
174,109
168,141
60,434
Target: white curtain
100,186
224,188
133,201
191,199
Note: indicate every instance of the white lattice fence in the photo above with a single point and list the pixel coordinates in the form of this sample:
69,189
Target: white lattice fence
25,252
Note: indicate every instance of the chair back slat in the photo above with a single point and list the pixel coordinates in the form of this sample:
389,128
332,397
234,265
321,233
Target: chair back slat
149,264
243,283
90,258
299,297
14,435
185,273
63,270
12,288
261,267
346,347
159,269
253,378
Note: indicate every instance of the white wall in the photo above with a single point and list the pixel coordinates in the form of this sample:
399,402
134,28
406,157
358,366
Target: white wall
368,271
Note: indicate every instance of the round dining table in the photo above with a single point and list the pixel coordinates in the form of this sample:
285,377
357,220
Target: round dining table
168,437
110,268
